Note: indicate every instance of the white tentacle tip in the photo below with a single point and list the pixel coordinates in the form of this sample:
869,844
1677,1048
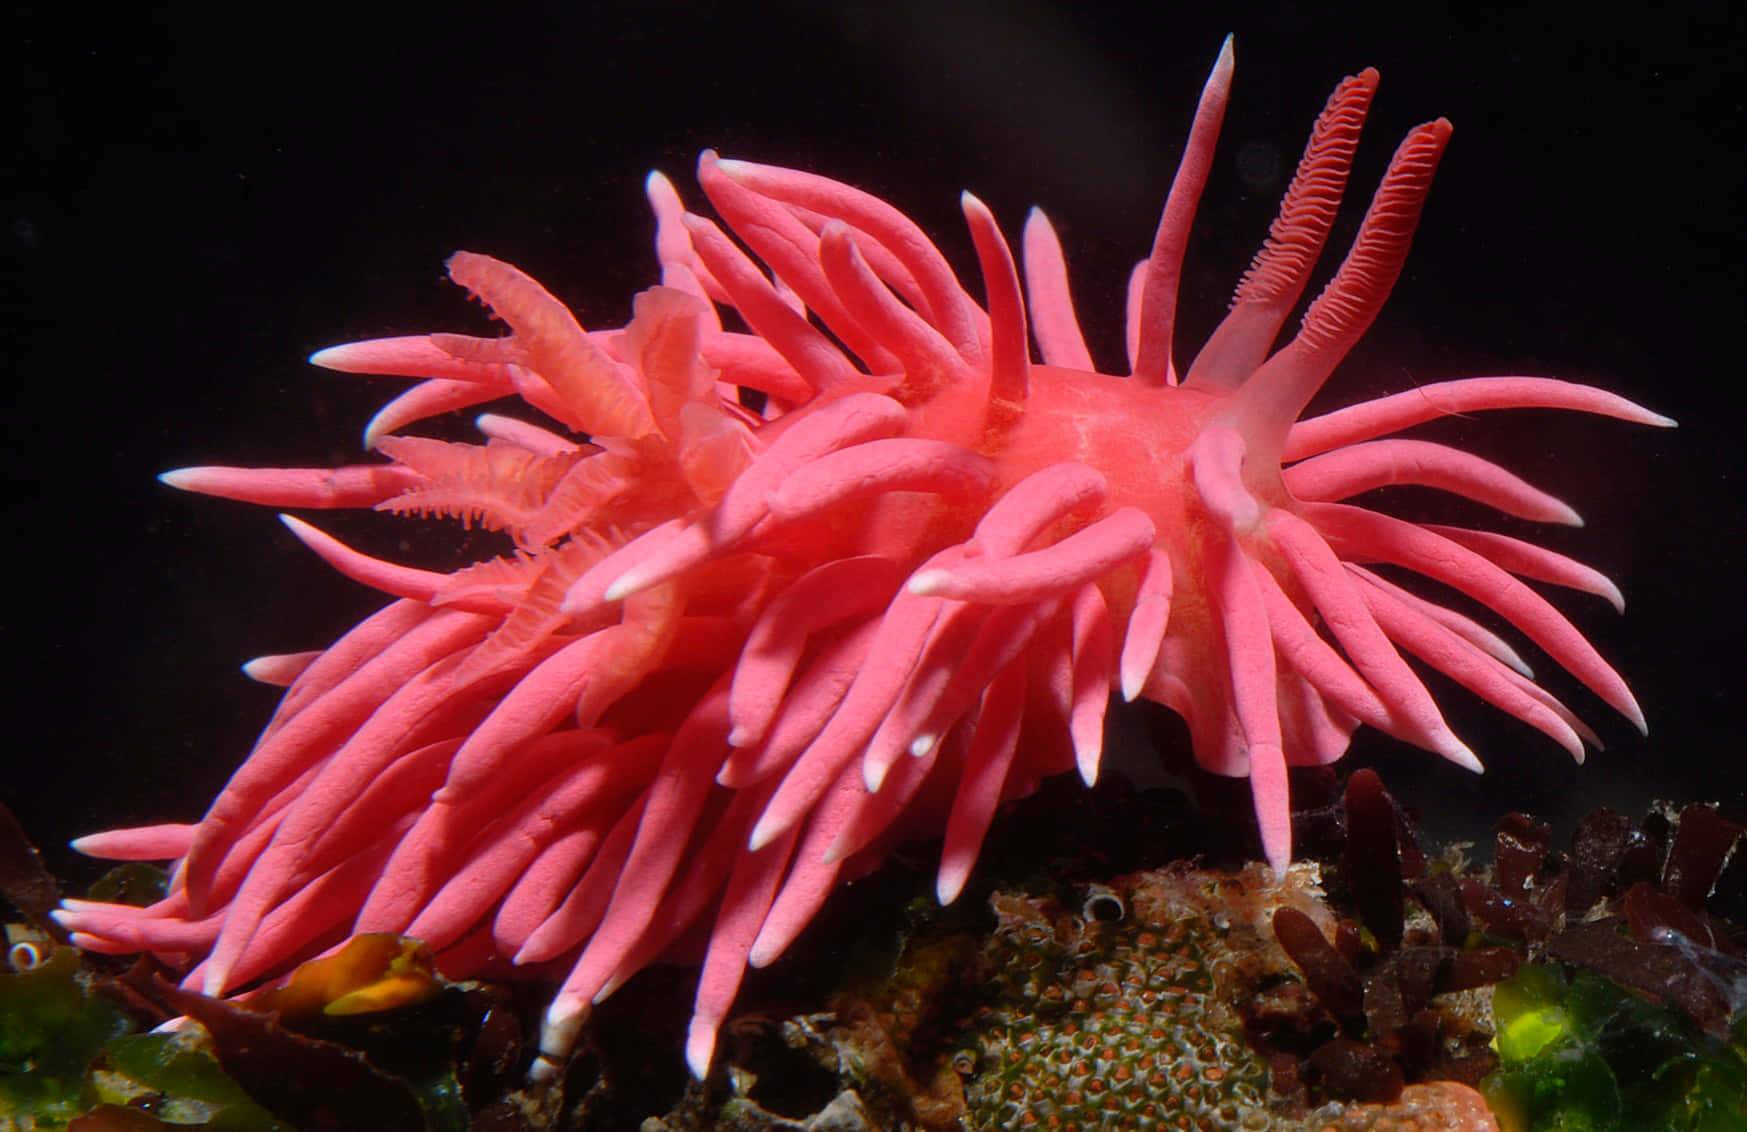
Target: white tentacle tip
332,357
74,905
543,1070
873,775
762,834
624,585
763,953
928,583
1462,755
558,1032
700,1048
949,885
378,427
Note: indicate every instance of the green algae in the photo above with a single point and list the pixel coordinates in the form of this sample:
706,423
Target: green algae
51,1030
1579,1053
66,1051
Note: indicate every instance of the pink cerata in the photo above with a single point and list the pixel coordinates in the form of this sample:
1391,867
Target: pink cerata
860,572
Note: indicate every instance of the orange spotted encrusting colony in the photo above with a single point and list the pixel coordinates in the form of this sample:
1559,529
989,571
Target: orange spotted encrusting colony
816,553
1138,1021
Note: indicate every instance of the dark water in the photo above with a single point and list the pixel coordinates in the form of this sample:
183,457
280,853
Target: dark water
203,197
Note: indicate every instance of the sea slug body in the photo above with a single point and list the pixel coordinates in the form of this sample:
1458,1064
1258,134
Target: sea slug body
815,554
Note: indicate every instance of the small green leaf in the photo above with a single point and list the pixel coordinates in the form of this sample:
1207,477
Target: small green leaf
50,1031
135,883
176,1064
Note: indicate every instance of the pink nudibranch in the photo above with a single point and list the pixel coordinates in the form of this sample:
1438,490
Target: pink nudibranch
861,571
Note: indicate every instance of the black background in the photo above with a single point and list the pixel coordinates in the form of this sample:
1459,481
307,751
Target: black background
203,194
